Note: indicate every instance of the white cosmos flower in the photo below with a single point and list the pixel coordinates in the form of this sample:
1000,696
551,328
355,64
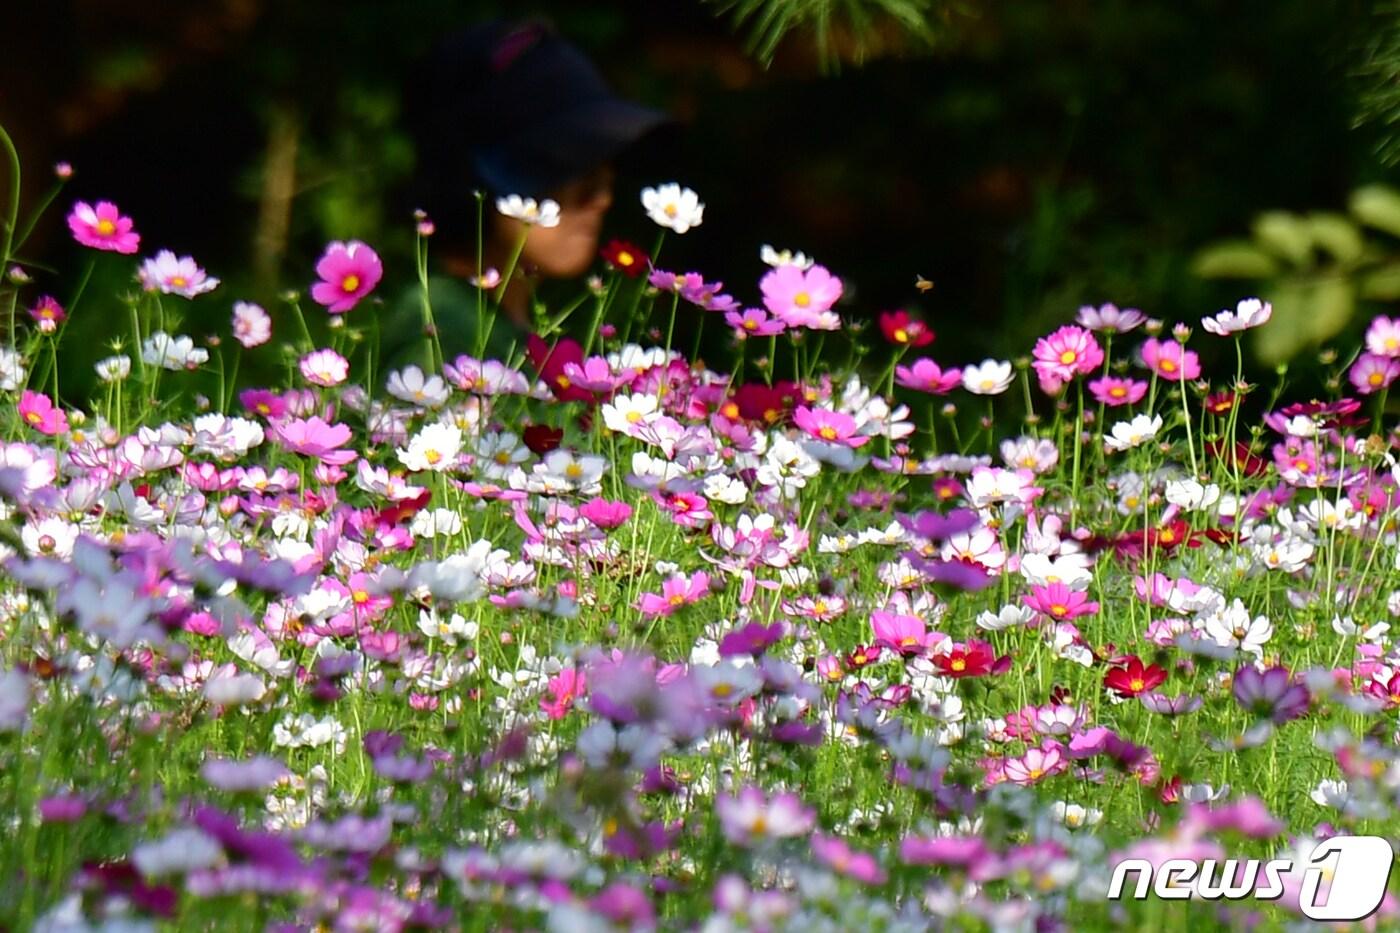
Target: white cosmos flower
412,386
625,413
526,210
184,850
673,207
173,353
1251,312
989,377
786,257
1191,496
1129,434
435,448
111,369
1234,628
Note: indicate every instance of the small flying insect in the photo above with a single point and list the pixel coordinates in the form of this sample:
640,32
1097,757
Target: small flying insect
922,284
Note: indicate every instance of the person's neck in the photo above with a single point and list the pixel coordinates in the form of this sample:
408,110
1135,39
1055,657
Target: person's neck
515,302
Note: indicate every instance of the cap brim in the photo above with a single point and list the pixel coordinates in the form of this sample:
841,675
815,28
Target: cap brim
563,147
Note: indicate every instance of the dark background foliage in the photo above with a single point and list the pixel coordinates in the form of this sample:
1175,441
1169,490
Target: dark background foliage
1026,157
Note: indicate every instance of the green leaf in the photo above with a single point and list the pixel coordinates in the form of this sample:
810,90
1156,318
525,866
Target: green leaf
1383,284
1337,235
1284,234
1377,206
1234,259
1306,312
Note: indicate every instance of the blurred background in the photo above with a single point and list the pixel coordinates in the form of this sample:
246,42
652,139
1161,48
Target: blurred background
1026,157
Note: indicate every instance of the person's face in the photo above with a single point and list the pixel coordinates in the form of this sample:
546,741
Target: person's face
569,248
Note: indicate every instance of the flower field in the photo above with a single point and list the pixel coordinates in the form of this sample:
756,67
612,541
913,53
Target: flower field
602,637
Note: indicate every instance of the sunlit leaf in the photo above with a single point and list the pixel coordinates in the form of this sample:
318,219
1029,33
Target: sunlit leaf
1234,259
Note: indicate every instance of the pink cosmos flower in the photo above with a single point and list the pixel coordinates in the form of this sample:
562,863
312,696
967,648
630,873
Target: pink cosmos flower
903,633
263,402
103,227
252,326
1170,360
315,438
802,298
324,368
48,314
751,816
605,514
40,414
349,272
174,275
1060,603
834,427
1372,372
1113,391
926,376
753,322
564,688
1036,764
1110,319
687,509
594,375
840,857
1069,352
679,590
1383,336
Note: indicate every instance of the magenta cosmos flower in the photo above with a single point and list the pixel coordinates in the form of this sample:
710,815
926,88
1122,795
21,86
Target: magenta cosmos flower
1069,352
40,414
1060,603
927,376
1114,391
349,272
1372,372
103,227
834,427
802,298
48,314
175,275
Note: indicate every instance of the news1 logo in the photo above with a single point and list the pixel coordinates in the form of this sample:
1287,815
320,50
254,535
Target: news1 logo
1358,868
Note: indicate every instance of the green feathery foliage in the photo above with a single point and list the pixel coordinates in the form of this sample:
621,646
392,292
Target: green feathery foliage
843,29
1379,97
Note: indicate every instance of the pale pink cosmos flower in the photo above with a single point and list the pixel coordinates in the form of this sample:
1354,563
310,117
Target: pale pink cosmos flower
324,368
103,227
252,326
1036,764
175,275
1383,336
751,816
927,376
802,298
349,272
1170,360
1110,319
315,438
679,590
1372,372
834,427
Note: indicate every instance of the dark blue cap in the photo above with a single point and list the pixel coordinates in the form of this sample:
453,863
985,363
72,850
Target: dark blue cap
521,109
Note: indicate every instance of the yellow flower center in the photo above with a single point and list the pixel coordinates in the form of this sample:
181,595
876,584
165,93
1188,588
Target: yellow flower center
179,281
1376,378
633,417
959,664
33,417
1137,683
573,471
901,335
827,432
1059,609
433,457
106,227
1067,357
1167,366
1117,392
625,258
350,283
678,600
563,382
802,299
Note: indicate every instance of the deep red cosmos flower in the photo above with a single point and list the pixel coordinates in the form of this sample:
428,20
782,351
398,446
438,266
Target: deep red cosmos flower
901,329
541,438
625,257
549,361
972,659
1134,677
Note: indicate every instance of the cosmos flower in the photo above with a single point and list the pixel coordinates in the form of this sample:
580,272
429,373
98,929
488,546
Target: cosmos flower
673,207
47,313
751,816
1250,312
103,227
900,329
1108,319
349,272
625,257
926,376
802,298
990,377
174,275
1131,677
529,212
252,326
39,413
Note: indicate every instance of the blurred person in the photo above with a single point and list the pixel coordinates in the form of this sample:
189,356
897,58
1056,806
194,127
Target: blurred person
507,108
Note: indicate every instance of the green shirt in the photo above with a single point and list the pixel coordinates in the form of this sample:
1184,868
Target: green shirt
402,340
